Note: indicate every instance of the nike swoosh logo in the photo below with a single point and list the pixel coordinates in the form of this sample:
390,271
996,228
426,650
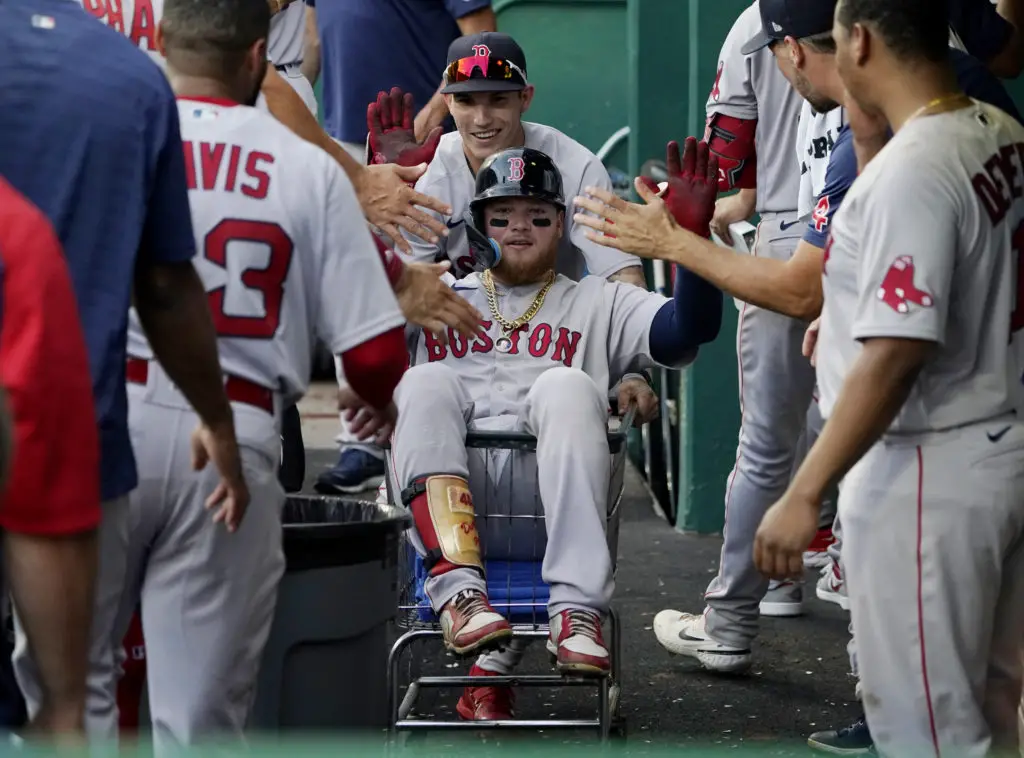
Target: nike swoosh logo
689,638
783,226
998,435
453,224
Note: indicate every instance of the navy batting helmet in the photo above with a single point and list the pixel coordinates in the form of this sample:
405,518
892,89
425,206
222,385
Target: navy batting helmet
517,172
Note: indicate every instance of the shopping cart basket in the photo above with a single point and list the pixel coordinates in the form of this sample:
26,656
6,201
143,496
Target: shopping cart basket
516,590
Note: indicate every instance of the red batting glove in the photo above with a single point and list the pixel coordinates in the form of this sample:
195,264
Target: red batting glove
392,137
692,185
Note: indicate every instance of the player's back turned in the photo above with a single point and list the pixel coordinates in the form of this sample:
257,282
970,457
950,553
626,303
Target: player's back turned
282,247
258,196
284,254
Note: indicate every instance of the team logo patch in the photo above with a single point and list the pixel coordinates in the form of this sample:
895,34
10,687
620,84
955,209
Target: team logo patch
820,216
515,169
897,289
716,91
481,51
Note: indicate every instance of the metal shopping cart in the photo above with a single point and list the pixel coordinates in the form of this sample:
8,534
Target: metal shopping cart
515,590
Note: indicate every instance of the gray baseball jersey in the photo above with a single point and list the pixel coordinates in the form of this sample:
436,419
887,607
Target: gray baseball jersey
450,179
287,28
816,136
915,216
595,325
752,87
926,246
284,249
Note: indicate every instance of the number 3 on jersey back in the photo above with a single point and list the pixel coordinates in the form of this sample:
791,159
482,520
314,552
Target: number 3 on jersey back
268,280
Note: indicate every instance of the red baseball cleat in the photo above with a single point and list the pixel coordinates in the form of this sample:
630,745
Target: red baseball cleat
471,625
486,703
577,643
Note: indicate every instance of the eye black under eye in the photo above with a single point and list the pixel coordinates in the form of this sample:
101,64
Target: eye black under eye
542,222
499,222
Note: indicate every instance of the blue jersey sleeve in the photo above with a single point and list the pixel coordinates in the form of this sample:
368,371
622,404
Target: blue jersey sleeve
839,176
460,8
167,234
980,27
692,318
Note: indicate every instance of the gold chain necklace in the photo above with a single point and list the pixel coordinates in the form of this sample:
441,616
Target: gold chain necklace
504,343
936,102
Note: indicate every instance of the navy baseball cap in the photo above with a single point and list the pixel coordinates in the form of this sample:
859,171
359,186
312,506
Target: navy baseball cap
791,18
484,62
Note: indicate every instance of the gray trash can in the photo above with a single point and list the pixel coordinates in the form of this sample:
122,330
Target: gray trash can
326,660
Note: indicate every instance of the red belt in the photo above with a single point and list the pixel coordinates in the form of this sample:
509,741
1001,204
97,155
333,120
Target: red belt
236,388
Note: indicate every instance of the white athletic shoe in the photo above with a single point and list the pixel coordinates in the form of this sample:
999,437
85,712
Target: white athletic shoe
831,587
784,598
683,634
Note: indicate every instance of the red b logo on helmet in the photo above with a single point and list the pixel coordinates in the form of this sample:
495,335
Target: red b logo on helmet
515,169
481,51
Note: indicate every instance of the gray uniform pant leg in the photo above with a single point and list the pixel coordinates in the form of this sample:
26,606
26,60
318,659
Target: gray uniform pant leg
776,384
208,596
935,547
565,410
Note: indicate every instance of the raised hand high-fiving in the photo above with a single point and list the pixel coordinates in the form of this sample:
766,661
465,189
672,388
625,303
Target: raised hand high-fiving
686,200
392,137
692,185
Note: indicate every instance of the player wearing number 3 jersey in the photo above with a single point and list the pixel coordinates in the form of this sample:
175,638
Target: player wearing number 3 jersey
285,255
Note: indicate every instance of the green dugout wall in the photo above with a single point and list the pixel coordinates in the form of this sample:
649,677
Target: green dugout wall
600,66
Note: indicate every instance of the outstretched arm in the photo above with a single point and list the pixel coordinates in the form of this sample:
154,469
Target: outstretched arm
387,200
693,318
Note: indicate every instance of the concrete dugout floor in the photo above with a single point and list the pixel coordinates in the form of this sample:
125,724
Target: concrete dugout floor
799,682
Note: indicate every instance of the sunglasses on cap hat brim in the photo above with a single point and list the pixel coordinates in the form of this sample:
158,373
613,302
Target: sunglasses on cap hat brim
483,73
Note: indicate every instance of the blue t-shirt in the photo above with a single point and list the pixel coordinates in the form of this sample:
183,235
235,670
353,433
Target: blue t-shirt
367,46
980,27
974,79
89,134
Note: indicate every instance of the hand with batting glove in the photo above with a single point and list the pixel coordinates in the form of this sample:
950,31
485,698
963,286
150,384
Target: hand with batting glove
692,186
686,200
391,135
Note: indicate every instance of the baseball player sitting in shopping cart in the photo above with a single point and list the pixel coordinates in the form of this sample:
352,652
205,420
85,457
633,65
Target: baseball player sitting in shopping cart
543,365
